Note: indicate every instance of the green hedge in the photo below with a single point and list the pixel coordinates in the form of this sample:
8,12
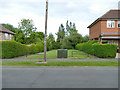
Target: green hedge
33,49
11,49
105,50
97,49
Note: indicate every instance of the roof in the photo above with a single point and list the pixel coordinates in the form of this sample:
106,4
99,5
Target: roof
5,30
113,14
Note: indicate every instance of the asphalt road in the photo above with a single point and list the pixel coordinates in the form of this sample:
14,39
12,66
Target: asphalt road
60,77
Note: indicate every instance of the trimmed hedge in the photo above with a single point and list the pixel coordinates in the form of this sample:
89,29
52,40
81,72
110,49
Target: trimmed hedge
105,50
11,49
97,49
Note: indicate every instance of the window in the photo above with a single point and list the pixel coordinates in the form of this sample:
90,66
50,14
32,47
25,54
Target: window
118,24
116,42
6,36
110,24
10,37
110,41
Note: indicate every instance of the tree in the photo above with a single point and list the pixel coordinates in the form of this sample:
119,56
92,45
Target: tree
61,33
19,37
71,41
86,38
70,28
27,27
51,41
36,37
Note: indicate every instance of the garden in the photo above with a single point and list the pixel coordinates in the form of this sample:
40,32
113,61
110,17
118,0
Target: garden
28,41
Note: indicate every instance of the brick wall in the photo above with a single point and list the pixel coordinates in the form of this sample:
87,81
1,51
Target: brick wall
101,26
2,37
94,31
105,29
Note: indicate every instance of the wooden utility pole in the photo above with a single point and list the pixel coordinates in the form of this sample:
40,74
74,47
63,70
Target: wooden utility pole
45,42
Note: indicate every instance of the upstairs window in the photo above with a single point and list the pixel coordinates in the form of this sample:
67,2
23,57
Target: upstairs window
110,24
118,24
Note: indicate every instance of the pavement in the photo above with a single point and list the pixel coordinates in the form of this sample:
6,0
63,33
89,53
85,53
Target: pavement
60,77
118,55
59,59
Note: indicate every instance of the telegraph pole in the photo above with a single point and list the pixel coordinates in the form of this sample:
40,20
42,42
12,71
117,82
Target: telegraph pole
45,41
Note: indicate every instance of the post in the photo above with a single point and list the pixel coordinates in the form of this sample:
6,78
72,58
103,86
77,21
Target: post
45,41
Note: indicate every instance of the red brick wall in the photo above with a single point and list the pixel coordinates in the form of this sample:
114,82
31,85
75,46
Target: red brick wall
94,31
105,29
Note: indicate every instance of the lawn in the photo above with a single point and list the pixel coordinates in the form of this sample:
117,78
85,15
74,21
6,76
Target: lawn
53,55
60,63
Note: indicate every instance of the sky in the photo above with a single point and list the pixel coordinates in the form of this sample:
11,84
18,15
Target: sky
80,12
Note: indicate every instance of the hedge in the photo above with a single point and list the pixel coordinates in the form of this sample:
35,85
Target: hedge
35,48
97,49
105,50
11,49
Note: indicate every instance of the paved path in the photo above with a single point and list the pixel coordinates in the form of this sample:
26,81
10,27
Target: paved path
60,77
60,60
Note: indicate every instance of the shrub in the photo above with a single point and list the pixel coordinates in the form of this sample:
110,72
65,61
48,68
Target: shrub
33,49
11,49
97,49
105,50
40,46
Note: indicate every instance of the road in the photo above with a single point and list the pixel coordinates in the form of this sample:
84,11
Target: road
60,77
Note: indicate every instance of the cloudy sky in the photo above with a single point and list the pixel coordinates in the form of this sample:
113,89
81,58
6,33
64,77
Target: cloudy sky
81,12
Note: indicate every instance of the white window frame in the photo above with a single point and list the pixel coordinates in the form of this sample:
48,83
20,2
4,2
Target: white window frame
110,24
6,36
118,24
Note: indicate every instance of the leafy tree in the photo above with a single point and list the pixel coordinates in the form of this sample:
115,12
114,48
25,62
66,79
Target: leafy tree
86,38
36,37
19,37
61,33
51,41
70,28
71,41
27,27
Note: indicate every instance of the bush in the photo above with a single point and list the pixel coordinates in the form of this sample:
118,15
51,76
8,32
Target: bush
40,46
11,49
33,49
105,50
97,49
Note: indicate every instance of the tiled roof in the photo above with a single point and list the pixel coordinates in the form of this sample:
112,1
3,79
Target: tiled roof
112,14
5,30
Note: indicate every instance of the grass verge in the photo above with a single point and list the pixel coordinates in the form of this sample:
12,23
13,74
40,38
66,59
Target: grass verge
53,55
61,63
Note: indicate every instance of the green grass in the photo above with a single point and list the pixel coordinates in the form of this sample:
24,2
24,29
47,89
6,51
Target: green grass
53,55
61,63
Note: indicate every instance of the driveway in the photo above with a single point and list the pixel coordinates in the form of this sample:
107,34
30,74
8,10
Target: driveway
60,77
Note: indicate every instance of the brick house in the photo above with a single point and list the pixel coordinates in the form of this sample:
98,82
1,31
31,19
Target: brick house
5,34
107,27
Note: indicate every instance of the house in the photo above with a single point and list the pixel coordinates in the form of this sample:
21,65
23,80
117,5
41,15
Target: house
107,27
5,34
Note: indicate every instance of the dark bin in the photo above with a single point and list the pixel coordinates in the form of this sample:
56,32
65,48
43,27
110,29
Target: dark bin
62,53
